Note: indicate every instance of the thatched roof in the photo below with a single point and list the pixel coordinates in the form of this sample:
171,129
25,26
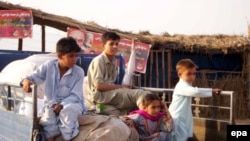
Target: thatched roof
204,43
207,43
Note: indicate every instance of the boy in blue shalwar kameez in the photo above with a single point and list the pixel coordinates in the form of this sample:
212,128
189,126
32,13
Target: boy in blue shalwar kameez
180,107
63,100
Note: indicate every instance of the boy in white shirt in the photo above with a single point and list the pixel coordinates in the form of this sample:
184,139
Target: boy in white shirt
180,107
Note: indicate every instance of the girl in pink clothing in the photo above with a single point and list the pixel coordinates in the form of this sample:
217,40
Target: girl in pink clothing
151,123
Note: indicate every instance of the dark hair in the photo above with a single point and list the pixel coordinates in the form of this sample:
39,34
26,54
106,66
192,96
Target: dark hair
66,45
149,98
110,36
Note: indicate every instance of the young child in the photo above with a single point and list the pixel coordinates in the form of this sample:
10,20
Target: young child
102,73
63,100
151,123
180,107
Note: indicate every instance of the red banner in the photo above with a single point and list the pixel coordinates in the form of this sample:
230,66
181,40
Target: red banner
91,43
16,23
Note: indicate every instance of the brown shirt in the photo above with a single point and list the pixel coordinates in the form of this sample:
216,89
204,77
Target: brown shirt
101,70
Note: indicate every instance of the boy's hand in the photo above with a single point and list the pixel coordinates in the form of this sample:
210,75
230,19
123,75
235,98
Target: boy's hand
165,108
57,108
26,85
164,105
216,91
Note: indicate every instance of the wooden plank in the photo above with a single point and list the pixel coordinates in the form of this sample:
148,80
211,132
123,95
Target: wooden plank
139,79
43,38
151,67
20,44
157,69
169,54
169,67
163,69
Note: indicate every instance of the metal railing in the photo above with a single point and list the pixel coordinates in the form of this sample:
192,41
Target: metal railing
9,98
231,107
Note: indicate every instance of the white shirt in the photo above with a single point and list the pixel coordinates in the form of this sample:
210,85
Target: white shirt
64,90
180,108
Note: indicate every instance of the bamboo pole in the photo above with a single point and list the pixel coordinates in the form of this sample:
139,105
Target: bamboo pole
43,38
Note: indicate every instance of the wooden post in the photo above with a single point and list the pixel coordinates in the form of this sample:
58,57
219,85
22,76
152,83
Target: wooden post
139,79
247,59
248,31
43,38
248,69
151,68
163,69
157,69
20,44
169,71
169,67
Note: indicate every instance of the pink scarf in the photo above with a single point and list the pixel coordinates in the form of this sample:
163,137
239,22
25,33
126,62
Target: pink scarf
147,116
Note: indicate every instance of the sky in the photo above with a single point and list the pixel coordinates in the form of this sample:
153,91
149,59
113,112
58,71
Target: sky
157,16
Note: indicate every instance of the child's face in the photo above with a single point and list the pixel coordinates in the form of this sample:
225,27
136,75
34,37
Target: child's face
68,59
111,47
188,75
153,108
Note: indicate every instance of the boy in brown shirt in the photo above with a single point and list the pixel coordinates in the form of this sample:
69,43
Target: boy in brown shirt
102,73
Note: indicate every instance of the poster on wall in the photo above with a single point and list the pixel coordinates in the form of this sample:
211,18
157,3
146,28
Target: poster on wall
125,49
141,57
91,43
16,23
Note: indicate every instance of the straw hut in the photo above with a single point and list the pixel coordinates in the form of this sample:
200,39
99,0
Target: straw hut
167,50
223,60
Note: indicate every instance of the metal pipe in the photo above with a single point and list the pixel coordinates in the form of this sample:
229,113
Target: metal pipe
17,99
155,89
8,100
34,100
211,106
228,93
232,113
171,90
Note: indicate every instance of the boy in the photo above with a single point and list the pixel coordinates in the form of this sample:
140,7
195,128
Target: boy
180,108
102,73
63,100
